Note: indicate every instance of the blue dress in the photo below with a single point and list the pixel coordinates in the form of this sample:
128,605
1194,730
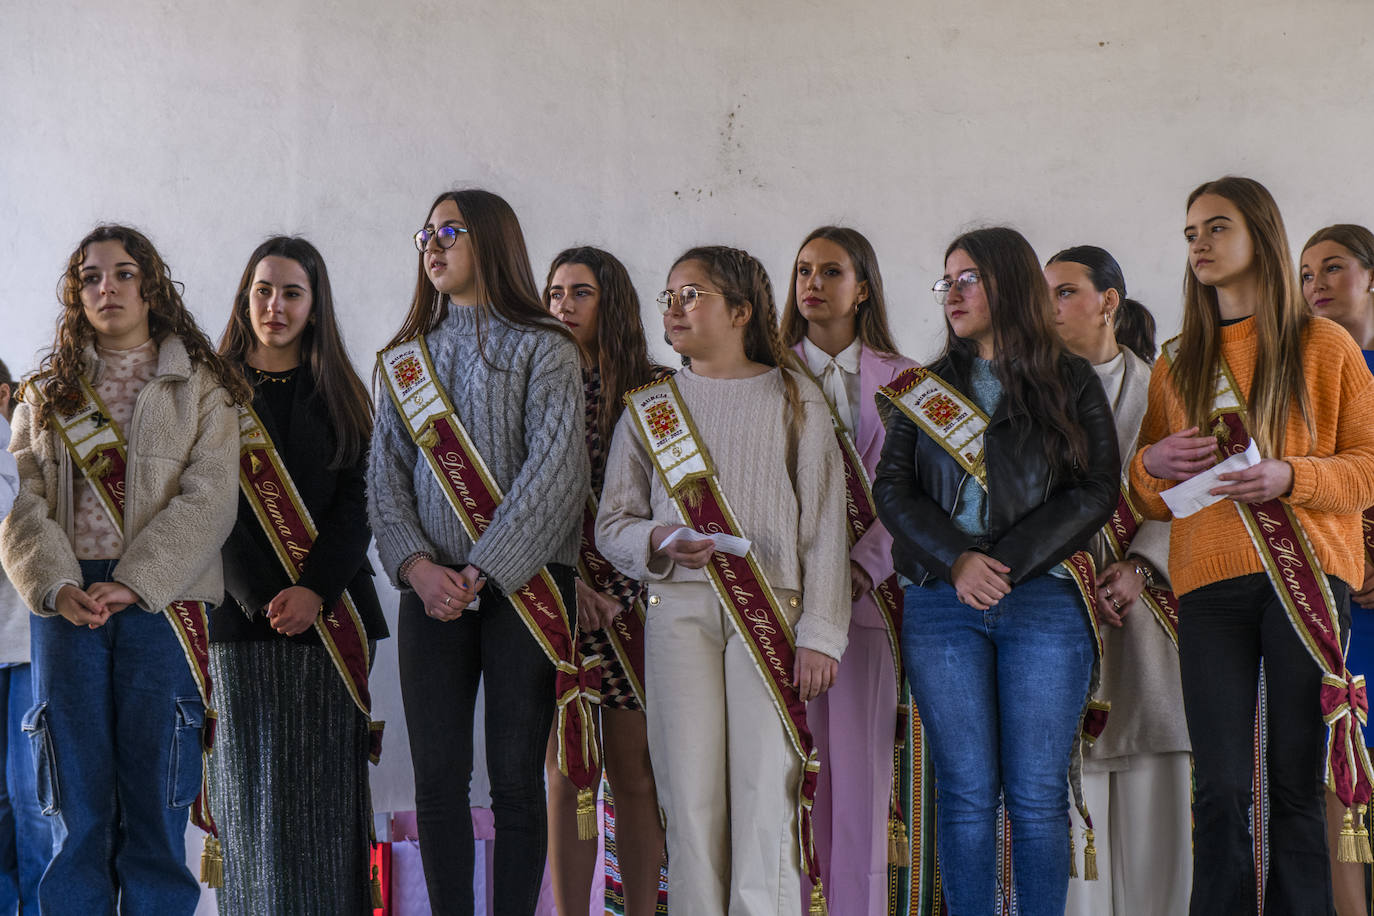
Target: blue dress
1360,659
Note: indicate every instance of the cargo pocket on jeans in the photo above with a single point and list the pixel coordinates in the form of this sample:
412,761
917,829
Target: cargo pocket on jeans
35,725
184,771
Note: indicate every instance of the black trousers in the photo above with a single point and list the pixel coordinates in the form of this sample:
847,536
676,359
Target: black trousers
441,666
1225,630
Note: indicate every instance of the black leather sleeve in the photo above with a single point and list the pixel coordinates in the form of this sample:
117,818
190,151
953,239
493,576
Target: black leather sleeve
1068,519
920,526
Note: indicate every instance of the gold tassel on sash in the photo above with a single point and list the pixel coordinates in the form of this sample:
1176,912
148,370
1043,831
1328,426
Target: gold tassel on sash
212,863
376,885
586,815
1362,836
896,841
1089,858
817,907
1073,855
1348,850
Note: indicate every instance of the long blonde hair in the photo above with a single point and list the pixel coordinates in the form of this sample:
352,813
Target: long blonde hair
1281,316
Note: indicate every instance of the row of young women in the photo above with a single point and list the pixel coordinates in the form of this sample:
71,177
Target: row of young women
996,639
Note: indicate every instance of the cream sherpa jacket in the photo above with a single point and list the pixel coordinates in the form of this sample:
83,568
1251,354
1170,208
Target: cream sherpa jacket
181,486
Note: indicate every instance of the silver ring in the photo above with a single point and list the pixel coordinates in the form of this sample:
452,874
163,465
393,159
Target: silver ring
1116,604
448,600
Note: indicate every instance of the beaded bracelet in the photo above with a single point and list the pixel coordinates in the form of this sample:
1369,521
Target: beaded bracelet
403,573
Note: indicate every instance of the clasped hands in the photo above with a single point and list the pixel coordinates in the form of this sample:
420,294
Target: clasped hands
1184,454
92,607
446,593
813,673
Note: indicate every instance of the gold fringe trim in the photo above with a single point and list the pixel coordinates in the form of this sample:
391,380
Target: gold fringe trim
212,863
1089,858
586,815
376,886
818,907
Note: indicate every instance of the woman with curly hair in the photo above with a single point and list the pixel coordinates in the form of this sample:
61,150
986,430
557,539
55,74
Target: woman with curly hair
127,443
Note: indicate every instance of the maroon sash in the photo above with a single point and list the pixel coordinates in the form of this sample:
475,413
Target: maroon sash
1120,532
626,632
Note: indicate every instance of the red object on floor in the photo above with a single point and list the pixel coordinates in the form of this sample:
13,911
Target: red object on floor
379,868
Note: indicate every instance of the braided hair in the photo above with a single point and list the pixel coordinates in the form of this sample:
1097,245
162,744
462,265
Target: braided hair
744,283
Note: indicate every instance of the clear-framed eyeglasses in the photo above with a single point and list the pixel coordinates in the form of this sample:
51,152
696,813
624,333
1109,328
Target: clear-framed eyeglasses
446,236
688,297
964,282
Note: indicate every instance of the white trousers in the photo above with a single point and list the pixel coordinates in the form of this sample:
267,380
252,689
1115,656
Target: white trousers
727,775
1142,819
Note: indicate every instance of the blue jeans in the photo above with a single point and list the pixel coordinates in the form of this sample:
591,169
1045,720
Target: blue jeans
1000,693
116,734
25,837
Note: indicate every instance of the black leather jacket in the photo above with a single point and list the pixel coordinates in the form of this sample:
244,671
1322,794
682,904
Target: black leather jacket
1035,519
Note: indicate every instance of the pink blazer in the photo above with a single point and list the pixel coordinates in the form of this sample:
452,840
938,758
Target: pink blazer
873,551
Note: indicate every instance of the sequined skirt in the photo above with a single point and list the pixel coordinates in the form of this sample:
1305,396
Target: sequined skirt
288,782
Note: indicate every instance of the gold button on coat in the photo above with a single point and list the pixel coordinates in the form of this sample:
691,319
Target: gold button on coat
794,601
653,599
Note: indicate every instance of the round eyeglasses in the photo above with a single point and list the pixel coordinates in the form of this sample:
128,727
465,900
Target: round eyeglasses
688,297
964,282
446,236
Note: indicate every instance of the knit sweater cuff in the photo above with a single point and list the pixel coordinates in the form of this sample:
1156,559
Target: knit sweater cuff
1147,488
1306,481
395,543
507,561
821,635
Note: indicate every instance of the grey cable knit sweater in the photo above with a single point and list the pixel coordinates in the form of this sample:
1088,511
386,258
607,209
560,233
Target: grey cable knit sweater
526,422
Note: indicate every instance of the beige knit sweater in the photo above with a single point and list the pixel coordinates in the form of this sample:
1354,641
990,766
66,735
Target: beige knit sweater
792,508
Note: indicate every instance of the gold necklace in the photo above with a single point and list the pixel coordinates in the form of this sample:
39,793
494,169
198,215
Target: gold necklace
262,376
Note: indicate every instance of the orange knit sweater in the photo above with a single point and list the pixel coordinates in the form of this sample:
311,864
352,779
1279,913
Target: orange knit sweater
1333,478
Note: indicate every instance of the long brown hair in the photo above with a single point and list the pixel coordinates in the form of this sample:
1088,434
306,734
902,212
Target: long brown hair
1027,350
744,282
870,323
505,282
322,348
61,369
1281,316
622,352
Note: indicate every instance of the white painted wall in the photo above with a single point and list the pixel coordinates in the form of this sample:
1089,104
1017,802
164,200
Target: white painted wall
649,126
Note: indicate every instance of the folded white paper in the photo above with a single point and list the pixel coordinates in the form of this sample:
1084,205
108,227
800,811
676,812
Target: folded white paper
1194,494
725,543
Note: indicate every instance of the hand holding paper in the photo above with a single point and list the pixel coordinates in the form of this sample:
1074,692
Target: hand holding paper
725,543
1195,493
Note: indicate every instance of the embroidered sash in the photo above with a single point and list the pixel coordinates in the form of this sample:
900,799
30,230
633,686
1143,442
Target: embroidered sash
686,471
1120,531
474,494
1303,590
266,483
626,632
958,425
97,446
